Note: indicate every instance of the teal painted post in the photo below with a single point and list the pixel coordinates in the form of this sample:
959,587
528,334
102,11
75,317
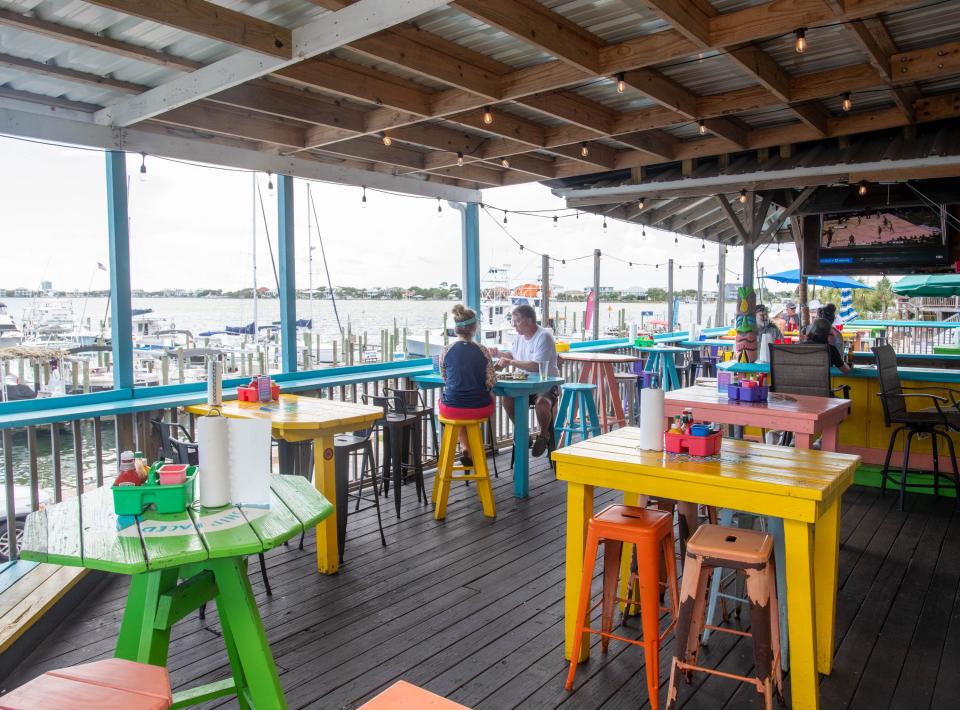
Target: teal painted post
471,256
121,324
288,287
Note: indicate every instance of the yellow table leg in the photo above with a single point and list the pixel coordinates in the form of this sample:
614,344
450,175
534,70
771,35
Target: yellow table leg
801,621
826,561
324,479
579,510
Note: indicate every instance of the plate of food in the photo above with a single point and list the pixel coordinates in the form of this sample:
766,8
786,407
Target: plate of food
511,376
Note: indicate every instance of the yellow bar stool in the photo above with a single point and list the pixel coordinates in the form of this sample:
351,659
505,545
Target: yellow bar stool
445,467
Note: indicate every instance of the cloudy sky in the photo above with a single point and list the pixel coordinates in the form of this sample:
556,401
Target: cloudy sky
192,227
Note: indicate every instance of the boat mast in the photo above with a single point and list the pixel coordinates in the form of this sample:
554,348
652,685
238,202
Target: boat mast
310,250
253,230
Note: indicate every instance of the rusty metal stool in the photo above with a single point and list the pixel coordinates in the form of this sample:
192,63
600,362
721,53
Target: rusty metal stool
652,533
627,381
710,548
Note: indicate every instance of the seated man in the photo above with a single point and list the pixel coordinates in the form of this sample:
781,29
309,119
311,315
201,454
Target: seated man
531,346
764,325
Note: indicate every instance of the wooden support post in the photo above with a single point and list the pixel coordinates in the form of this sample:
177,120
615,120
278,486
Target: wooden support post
596,295
669,319
699,293
545,290
721,284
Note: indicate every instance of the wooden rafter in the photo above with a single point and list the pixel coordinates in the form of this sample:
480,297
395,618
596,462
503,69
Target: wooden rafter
210,20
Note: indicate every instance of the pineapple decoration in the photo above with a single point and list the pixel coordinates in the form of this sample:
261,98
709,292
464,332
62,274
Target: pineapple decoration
746,326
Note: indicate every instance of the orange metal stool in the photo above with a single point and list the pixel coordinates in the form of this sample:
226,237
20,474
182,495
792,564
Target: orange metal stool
111,684
445,468
403,695
652,533
713,547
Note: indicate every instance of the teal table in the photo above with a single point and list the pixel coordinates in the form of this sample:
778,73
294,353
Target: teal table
666,366
179,562
519,391
708,343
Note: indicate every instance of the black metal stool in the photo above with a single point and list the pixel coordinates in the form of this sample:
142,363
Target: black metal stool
345,447
398,430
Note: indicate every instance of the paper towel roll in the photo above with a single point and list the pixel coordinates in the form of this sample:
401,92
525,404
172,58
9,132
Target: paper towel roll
763,354
214,476
249,457
651,419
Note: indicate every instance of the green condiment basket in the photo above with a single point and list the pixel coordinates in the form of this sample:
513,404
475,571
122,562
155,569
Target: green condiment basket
172,498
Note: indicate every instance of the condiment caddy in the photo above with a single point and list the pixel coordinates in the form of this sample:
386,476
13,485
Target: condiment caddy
168,487
260,389
685,437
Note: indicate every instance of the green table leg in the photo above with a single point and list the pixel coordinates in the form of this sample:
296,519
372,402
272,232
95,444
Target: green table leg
238,613
139,640
233,653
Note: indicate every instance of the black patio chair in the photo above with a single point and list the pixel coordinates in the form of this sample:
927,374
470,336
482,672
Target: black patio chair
937,421
802,369
171,435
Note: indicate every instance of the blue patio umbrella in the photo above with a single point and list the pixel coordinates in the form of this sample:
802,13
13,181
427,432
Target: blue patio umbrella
792,276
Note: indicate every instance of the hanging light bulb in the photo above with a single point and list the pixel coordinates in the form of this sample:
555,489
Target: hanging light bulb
439,207
621,84
643,231
504,216
702,126
563,261
487,115
604,223
801,43
862,188
640,204
459,160
143,167
270,184
521,247
554,221
630,264
656,266
778,246
363,200
504,162
584,150
675,239
703,244
847,102
743,197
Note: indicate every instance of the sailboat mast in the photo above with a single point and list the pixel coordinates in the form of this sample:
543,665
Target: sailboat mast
253,230
310,248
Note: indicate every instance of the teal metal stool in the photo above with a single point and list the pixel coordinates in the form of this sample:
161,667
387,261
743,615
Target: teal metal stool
774,526
664,362
577,395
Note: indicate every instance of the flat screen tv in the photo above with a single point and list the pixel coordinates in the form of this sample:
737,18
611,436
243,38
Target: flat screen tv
882,240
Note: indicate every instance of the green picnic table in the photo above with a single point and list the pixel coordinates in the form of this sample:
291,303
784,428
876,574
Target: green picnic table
178,562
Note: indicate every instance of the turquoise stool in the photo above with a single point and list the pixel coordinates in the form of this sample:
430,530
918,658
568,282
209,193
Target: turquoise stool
577,395
774,526
665,364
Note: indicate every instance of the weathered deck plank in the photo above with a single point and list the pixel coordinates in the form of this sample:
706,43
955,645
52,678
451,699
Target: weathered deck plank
472,609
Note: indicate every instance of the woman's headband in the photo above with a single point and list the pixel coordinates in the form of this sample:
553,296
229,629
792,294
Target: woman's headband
469,321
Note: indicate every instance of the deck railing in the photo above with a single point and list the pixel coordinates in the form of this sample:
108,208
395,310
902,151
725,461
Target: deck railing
56,448
914,337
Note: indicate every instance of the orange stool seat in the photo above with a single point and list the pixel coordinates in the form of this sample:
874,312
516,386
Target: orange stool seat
445,474
710,549
406,696
111,684
651,531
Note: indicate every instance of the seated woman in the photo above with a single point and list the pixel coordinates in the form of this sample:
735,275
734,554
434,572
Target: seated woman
820,331
468,376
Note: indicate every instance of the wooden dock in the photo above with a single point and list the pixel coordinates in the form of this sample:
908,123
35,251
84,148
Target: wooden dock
472,609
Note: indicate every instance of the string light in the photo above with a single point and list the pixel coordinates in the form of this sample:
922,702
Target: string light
584,150
630,264
743,197
521,247
862,188
439,207
801,43
143,167
703,127
640,204
703,244
504,162
778,246
487,115
459,160
643,231
387,140
270,184
604,223
504,216
675,238
563,261
847,102
555,225
621,84
363,200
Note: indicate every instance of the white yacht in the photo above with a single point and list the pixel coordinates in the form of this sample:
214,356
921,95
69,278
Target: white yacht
9,332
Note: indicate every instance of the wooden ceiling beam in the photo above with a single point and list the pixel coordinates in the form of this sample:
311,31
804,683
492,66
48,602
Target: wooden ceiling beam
731,129
656,143
214,118
688,18
663,90
212,21
71,76
813,115
506,125
761,66
536,24
597,154
574,109
42,99
474,173
374,150
285,102
100,42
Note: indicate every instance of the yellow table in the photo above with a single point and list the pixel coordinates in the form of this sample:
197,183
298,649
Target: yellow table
801,486
296,419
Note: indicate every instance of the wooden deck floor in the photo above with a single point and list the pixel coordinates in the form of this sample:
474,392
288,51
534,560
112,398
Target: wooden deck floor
472,609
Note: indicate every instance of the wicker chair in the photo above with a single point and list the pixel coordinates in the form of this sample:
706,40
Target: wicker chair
937,421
